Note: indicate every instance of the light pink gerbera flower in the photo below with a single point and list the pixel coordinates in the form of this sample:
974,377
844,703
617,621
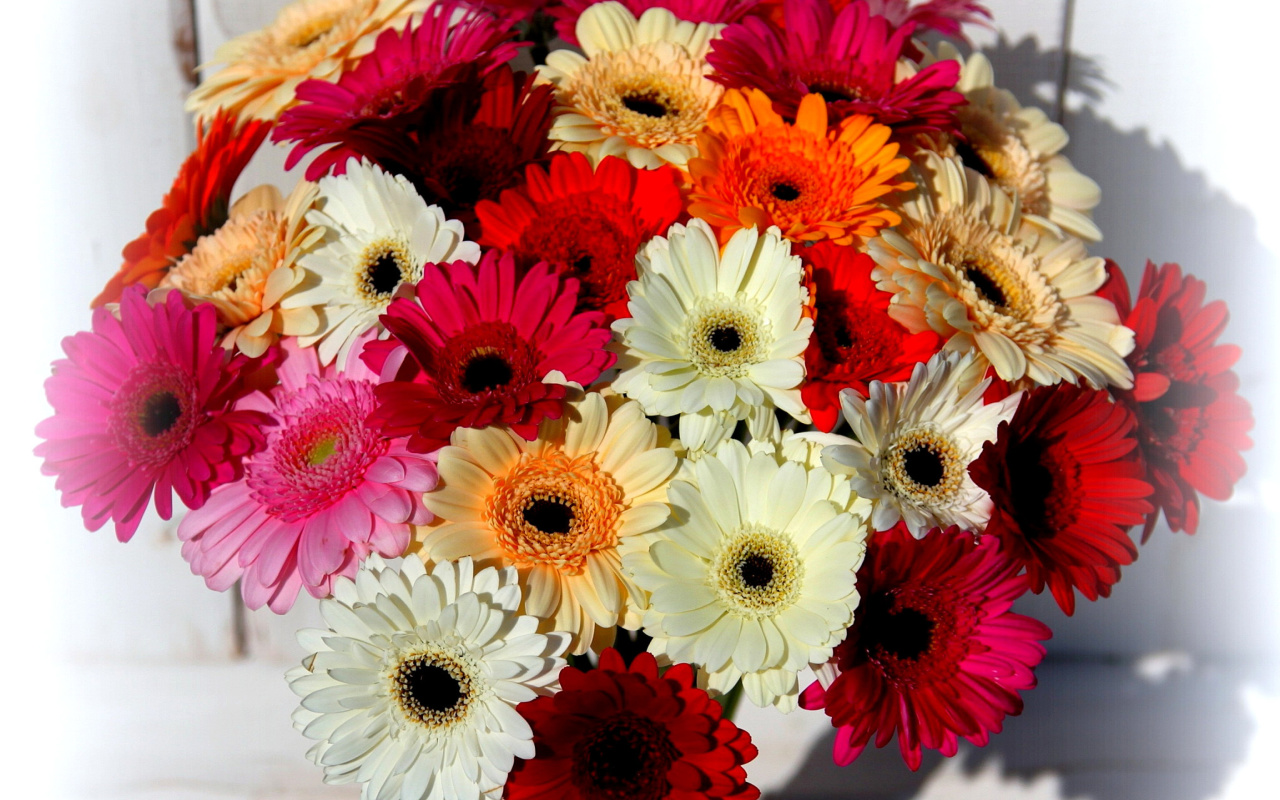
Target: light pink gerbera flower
141,409
325,492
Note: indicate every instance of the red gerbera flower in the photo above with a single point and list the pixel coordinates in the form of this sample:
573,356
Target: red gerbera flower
197,203
567,12
1192,424
934,653
587,224
141,408
475,348
855,341
379,105
615,732
1067,484
850,58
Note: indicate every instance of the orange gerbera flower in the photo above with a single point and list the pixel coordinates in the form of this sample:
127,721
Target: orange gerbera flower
197,204
814,184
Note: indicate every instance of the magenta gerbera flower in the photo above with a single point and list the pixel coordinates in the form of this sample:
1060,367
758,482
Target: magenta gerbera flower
850,58
476,347
934,653
387,96
141,409
327,490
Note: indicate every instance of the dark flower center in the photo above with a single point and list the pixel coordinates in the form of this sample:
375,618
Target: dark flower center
756,571
970,158
924,466
549,515
785,192
832,94
646,104
432,689
987,288
725,339
384,274
486,371
582,264
159,413
887,630
625,758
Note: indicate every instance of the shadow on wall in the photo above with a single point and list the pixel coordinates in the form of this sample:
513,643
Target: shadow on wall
1106,732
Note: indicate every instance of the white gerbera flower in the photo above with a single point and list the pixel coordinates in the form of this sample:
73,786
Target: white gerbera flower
412,690
712,334
915,441
378,234
640,93
962,264
753,576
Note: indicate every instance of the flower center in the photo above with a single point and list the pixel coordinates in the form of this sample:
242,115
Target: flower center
1044,488
991,147
626,757
486,371
784,192
384,265
551,509
923,467
972,159
650,104
310,32
757,572
152,417
459,168
160,412
724,338
986,286
432,689
487,357
322,450
915,635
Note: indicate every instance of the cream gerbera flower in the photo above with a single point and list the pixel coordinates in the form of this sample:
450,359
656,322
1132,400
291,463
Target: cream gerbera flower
641,92
245,267
961,264
913,443
711,333
753,576
309,39
378,233
1020,149
556,508
412,691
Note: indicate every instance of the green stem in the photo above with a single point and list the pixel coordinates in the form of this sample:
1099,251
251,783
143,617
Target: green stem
729,701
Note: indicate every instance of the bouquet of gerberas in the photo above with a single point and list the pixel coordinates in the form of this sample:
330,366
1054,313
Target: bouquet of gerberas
757,330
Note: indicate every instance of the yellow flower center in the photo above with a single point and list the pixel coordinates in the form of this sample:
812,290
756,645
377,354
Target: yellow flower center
432,688
757,572
384,265
724,338
924,467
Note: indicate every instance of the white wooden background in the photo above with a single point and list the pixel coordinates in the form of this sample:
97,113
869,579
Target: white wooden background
127,678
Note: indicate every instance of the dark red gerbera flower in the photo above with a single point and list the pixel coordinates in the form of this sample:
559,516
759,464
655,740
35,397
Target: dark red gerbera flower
850,58
567,12
934,652
588,224
197,203
474,349
854,341
381,104
1192,424
1067,483
612,733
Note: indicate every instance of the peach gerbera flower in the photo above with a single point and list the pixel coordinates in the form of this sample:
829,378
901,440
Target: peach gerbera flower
813,183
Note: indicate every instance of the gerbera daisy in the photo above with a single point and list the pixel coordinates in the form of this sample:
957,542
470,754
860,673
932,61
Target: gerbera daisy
412,691
850,58
713,332
325,492
1067,483
947,17
480,348
378,232
196,204
141,408
615,732
384,98
855,341
246,266
566,13
1192,424
755,169
935,653
915,441
961,264
1020,149
752,578
556,508
641,91
589,225
308,39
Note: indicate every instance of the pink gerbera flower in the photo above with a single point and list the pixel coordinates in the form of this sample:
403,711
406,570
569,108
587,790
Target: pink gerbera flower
567,12
327,491
476,348
141,409
934,652
387,96
849,58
